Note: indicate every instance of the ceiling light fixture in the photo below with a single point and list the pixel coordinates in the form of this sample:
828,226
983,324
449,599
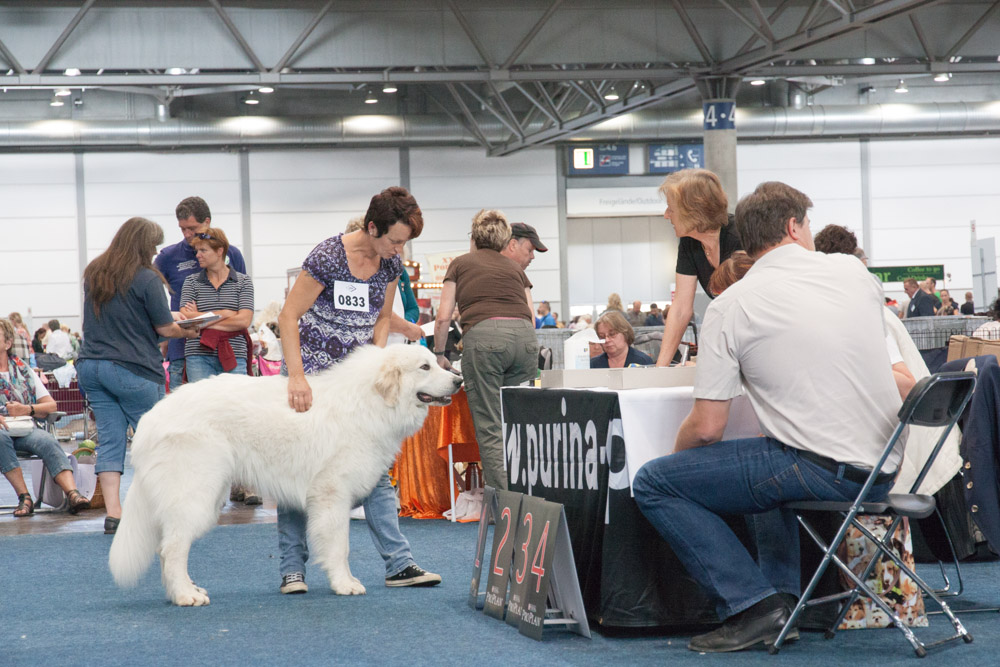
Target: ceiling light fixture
62,92
56,102
251,100
266,90
176,71
867,61
901,88
611,95
757,82
389,88
71,71
942,77
370,97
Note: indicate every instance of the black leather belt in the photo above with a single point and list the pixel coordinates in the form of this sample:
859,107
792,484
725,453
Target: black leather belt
851,473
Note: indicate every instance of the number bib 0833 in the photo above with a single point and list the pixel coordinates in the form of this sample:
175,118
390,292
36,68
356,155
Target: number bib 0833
350,296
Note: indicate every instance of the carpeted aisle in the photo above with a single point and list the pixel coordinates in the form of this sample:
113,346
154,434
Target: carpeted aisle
59,606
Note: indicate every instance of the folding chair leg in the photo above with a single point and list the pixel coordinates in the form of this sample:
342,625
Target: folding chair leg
829,554
946,591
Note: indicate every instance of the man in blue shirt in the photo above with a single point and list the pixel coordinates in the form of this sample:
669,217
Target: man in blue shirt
177,262
545,319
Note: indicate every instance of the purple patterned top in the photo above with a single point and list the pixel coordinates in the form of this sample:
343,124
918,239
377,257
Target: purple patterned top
327,332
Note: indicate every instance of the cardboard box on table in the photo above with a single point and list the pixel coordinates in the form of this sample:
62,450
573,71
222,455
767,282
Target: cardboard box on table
962,347
619,378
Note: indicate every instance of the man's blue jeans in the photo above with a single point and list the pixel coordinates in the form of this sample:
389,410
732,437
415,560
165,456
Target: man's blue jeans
684,494
175,369
383,525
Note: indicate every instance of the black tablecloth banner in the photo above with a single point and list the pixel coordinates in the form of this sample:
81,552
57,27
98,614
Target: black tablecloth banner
558,449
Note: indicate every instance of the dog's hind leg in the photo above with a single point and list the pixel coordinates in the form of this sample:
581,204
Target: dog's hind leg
174,560
329,529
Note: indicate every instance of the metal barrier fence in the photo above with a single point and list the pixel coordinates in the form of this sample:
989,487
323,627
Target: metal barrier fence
931,333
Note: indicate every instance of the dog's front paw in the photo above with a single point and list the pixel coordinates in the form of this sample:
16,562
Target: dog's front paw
349,586
191,598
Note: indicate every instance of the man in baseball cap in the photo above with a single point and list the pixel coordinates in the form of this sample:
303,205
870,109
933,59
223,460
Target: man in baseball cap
523,243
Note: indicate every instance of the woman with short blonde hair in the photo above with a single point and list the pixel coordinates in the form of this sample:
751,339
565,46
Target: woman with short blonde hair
499,346
697,208
490,230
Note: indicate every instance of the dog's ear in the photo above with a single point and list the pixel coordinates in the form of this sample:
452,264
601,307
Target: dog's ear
387,384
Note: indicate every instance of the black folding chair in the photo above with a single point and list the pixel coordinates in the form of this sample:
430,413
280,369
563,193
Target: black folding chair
937,400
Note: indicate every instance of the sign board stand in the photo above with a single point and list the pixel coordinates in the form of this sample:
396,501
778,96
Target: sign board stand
532,552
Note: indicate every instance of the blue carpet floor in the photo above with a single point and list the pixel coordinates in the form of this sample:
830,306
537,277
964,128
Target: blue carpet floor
59,606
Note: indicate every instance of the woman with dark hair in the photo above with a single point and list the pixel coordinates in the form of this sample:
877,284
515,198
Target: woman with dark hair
342,300
37,346
499,345
697,208
618,336
120,366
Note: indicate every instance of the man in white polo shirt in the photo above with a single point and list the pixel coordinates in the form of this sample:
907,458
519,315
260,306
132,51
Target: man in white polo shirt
802,332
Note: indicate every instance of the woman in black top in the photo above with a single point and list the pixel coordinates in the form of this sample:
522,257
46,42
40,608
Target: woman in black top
697,208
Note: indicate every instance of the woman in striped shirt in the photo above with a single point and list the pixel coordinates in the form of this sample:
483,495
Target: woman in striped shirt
224,345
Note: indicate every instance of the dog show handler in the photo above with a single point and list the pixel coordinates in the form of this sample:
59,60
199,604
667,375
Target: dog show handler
340,301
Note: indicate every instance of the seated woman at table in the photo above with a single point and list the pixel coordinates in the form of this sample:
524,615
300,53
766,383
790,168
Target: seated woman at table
21,395
618,336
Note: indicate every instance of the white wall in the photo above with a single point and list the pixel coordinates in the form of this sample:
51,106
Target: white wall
924,193
38,224
634,257
452,184
299,198
829,172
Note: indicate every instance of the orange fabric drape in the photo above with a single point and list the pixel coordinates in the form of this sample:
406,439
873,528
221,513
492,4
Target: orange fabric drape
422,465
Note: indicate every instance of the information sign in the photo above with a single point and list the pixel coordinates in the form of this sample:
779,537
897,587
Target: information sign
719,115
897,274
599,160
509,506
668,158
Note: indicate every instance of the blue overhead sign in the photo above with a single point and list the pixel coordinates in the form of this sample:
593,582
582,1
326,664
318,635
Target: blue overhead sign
719,115
668,158
598,160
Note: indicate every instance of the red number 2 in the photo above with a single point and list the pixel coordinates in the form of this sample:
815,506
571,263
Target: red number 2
539,559
524,547
505,515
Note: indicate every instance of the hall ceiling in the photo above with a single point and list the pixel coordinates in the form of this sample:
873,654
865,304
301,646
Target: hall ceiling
544,69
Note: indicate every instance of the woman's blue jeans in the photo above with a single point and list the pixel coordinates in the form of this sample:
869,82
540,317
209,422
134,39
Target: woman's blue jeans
119,399
39,443
202,366
684,494
383,525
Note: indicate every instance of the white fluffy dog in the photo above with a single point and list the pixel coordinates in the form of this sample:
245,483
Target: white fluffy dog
203,437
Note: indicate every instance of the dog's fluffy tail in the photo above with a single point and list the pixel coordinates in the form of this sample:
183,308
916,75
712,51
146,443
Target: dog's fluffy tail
136,540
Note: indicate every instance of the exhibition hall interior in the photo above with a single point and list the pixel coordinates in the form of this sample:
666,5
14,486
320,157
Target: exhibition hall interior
671,325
